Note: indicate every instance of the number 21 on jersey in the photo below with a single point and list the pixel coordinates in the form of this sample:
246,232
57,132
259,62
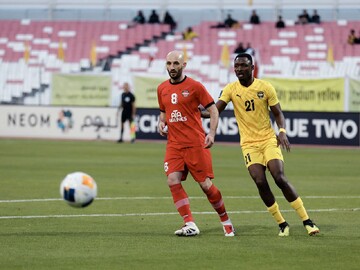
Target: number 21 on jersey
249,105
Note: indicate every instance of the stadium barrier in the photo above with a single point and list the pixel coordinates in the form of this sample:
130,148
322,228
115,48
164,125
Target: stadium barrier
92,123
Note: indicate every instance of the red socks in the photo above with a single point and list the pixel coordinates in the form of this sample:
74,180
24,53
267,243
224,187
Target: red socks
181,202
215,198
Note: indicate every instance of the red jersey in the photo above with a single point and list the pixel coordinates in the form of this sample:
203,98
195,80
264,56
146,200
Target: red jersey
180,103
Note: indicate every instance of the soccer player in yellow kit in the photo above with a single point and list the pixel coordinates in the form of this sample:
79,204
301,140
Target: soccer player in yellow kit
252,99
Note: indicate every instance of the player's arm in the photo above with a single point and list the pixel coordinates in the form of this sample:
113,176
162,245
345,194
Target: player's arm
162,123
214,119
280,121
133,110
220,105
119,109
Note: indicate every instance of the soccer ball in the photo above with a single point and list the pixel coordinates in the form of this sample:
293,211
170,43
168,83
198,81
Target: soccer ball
78,189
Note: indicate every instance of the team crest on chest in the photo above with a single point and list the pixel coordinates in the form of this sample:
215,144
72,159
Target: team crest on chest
260,94
185,93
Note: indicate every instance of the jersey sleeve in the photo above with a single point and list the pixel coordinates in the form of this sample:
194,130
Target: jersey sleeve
161,105
205,98
273,100
225,94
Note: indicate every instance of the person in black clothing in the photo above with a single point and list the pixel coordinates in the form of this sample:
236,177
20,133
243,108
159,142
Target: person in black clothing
128,107
352,38
254,18
280,23
168,19
315,18
240,48
229,22
139,18
303,18
154,17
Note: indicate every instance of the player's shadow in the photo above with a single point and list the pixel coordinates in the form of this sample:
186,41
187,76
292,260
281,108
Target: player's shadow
209,230
262,230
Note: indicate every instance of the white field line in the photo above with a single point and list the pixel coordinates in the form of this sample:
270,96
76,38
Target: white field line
168,198
169,213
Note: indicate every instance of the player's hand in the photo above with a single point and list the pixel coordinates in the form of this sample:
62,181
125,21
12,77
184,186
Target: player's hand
209,141
282,140
162,130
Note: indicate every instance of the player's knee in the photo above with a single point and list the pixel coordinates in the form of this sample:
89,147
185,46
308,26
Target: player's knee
280,180
205,186
173,179
260,182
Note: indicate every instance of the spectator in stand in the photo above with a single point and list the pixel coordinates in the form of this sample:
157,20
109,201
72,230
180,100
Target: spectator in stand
280,22
254,18
139,18
240,48
250,50
230,22
189,34
303,18
352,38
168,19
315,18
154,17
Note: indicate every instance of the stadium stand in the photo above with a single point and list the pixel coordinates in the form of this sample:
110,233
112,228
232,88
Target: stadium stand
64,46
76,37
31,50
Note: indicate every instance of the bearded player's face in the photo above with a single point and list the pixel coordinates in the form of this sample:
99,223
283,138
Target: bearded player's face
174,68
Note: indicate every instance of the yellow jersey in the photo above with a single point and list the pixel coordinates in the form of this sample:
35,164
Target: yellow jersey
251,109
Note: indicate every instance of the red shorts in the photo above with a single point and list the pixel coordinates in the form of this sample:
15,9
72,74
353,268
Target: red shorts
196,160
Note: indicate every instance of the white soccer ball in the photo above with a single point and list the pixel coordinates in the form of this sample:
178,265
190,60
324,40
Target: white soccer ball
78,189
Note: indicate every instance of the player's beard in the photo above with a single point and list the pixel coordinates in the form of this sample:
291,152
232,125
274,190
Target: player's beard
175,76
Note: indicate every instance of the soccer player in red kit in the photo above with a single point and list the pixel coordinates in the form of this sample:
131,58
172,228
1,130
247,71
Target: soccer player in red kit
188,146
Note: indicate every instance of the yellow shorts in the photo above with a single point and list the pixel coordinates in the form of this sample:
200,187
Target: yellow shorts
261,153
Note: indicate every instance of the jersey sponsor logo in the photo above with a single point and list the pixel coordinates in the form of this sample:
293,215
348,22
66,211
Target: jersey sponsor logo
260,94
185,93
176,116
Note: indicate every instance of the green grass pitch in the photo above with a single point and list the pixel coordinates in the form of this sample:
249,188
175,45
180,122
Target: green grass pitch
131,223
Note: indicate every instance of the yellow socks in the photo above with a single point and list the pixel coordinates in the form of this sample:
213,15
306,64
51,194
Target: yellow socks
275,212
300,209
297,205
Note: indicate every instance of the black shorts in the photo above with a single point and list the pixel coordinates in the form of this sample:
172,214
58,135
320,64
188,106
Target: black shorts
126,116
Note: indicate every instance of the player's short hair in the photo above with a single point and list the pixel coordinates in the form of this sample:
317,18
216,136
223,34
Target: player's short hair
246,55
